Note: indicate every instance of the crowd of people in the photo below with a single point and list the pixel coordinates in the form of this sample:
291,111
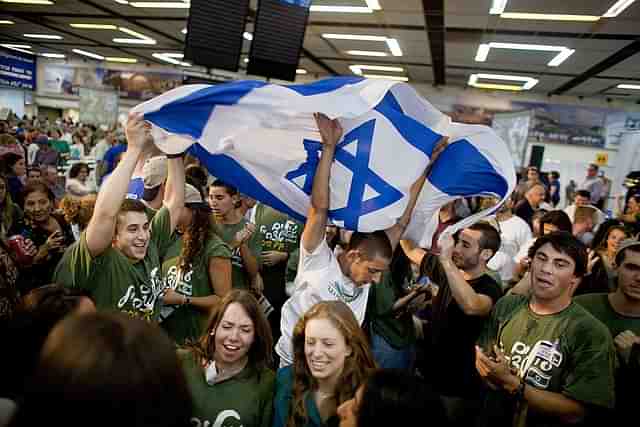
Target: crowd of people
137,289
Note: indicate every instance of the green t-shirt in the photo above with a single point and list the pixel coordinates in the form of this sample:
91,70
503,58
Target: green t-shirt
570,352
600,307
239,277
244,400
60,145
185,322
275,231
398,332
113,280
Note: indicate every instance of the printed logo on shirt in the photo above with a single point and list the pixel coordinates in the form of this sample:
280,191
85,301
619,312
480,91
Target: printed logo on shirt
236,258
536,363
279,234
221,420
179,280
343,295
143,301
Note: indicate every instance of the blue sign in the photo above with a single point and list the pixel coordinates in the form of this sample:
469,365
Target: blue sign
302,3
17,70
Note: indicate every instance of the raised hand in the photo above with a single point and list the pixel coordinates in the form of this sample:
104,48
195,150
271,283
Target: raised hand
330,130
137,131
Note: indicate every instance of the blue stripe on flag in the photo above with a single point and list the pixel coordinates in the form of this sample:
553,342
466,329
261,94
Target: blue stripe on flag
414,132
189,115
462,170
229,170
324,86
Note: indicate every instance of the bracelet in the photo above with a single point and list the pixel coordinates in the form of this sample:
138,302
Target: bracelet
186,300
175,156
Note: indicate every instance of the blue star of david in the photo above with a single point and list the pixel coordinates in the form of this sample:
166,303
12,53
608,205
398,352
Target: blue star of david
362,176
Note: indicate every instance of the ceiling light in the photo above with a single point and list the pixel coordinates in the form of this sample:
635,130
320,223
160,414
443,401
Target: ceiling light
53,55
618,8
89,54
340,9
357,69
373,4
162,5
134,41
301,71
245,60
172,58
184,31
133,33
365,53
28,1
563,52
43,36
18,47
124,60
95,26
550,17
247,35
627,86
394,47
122,2
529,82
6,22
497,7
355,37
379,76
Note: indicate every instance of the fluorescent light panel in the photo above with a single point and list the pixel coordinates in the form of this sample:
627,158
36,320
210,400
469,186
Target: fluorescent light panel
160,5
340,9
628,86
362,37
54,55
529,82
357,68
184,31
28,1
94,26
301,71
6,22
563,52
18,47
618,8
172,58
550,17
89,54
123,60
394,47
379,76
373,4
365,53
497,7
247,35
43,36
133,41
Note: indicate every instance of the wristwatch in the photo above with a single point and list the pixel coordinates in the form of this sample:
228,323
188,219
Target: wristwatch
186,300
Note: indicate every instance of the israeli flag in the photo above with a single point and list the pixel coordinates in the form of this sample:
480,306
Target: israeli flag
263,139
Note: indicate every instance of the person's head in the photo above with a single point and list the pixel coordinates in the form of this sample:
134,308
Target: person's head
100,366
366,257
592,170
237,331
13,164
43,142
583,220
4,191
154,177
627,263
612,238
535,193
556,220
78,210
582,198
197,176
554,175
223,198
475,246
392,397
77,138
533,174
328,347
132,230
633,204
559,261
79,171
34,173
196,225
38,201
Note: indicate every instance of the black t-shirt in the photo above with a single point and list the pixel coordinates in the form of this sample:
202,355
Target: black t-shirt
454,335
524,210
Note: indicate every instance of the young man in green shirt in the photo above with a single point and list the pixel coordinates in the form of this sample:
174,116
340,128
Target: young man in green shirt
545,359
620,313
117,258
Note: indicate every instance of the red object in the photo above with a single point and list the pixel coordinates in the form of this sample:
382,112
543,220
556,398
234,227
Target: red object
17,244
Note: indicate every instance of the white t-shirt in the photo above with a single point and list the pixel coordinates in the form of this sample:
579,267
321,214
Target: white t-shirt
514,234
599,216
319,278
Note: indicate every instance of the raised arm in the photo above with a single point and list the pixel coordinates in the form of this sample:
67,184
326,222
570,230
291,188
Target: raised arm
314,229
103,222
174,190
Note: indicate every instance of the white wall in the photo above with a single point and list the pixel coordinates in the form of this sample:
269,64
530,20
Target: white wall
13,99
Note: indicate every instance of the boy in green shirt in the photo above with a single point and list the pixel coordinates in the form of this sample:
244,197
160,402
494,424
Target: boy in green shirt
117,258
546,360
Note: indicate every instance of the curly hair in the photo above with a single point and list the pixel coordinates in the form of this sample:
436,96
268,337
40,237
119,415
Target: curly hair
195,237
357,367
7,212
78,211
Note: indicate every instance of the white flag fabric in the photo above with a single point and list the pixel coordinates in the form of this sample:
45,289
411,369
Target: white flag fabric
262,138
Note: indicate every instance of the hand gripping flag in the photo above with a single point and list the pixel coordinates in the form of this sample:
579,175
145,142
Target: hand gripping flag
262,138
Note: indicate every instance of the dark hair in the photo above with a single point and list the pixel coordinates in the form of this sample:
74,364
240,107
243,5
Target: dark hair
34,185
130,205
195,237
76,168
567,244
396,397
584,193
99,366
231,190
260,353
196,176
601,234
555,174
7,161
375,244
622,254
594,166
489,236
558,218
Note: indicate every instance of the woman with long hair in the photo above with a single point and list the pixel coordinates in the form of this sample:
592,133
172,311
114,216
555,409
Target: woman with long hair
78,212
228,368
77,184
196,270
14,168
10,213
48,231
331,360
